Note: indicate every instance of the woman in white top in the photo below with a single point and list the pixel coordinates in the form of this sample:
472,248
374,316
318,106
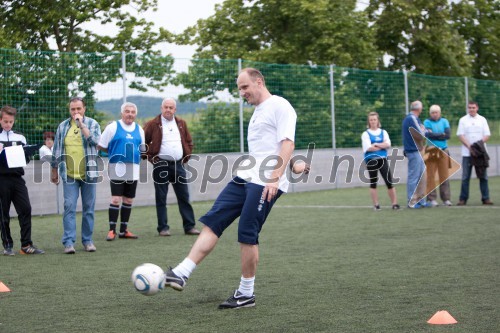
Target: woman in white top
375,142
46,149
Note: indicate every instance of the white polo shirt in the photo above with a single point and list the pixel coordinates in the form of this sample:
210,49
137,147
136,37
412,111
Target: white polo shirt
473,129
272,122
171,144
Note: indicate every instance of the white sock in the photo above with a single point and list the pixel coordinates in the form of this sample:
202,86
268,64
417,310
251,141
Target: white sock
247,286
185,268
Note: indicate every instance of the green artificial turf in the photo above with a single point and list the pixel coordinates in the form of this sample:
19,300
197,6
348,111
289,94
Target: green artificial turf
328,263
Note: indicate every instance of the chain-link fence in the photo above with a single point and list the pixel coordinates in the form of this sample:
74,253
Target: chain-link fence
331,102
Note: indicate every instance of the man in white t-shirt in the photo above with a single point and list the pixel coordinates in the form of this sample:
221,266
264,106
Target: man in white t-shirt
251,194
122,140
472,128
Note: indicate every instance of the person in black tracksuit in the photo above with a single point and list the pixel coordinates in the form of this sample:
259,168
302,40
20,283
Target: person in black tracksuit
13,189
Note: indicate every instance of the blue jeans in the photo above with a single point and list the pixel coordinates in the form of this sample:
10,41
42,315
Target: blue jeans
164,173
71,189
416,168
466,173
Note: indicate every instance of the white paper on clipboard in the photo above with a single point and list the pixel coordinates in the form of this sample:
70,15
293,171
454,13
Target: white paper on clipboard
15,156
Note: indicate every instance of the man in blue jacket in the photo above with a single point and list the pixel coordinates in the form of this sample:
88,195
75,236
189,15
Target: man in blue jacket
413,146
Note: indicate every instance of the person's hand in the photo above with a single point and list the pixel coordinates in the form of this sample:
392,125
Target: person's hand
54,176
270,191
78,117
301,167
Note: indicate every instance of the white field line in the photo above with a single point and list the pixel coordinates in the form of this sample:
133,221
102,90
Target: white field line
371,207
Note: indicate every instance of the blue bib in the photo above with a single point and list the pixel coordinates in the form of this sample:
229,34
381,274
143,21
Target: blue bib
379,153
124,147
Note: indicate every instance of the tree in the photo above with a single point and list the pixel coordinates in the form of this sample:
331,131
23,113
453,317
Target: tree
479,23
286,32
34,24
305,32
41,79
217,129
419,36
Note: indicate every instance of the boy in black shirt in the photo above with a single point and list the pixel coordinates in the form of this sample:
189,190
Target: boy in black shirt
13,188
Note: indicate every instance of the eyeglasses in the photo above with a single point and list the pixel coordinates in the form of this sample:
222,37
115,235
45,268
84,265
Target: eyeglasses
76,131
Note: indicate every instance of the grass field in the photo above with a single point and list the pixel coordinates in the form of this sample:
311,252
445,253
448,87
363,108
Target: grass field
328,264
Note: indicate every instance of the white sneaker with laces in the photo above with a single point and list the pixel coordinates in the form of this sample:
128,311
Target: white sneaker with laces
90,247
447,203
433,203
69,249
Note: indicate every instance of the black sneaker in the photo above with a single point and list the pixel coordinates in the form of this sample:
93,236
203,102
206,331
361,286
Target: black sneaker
238,300
395,207
376,207
31,249
8,251
174,281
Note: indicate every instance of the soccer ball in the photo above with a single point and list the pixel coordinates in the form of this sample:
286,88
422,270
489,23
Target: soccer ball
148,279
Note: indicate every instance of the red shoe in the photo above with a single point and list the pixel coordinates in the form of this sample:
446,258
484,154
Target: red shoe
111,235
127,234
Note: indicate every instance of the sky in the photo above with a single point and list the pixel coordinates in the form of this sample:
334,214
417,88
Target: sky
175,16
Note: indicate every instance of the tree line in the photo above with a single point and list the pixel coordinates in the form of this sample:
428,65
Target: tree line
433,37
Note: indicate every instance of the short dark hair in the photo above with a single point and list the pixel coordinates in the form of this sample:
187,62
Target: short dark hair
8,110
47,135
473,102
78,99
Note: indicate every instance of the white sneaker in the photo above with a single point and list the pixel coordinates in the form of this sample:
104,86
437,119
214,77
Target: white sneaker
90,247
447,203
433,203
69,249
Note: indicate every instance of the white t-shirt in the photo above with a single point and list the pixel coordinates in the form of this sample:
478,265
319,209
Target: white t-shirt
367,142
272,122
171,144
120,171
473,129
44,151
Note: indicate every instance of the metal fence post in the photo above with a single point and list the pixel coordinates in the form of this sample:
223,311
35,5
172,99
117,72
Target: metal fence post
332,101
242,139
124,77
405,75
466,95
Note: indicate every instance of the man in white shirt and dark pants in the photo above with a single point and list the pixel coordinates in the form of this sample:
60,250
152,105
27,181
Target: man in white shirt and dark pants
169,147
471,129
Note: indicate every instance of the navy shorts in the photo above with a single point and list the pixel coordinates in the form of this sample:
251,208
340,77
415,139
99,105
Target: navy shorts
240,199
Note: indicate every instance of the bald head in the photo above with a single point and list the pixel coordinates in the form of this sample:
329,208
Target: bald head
416,108
252,86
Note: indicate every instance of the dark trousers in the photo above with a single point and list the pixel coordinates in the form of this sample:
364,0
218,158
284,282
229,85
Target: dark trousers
466,173
14,190
165,173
